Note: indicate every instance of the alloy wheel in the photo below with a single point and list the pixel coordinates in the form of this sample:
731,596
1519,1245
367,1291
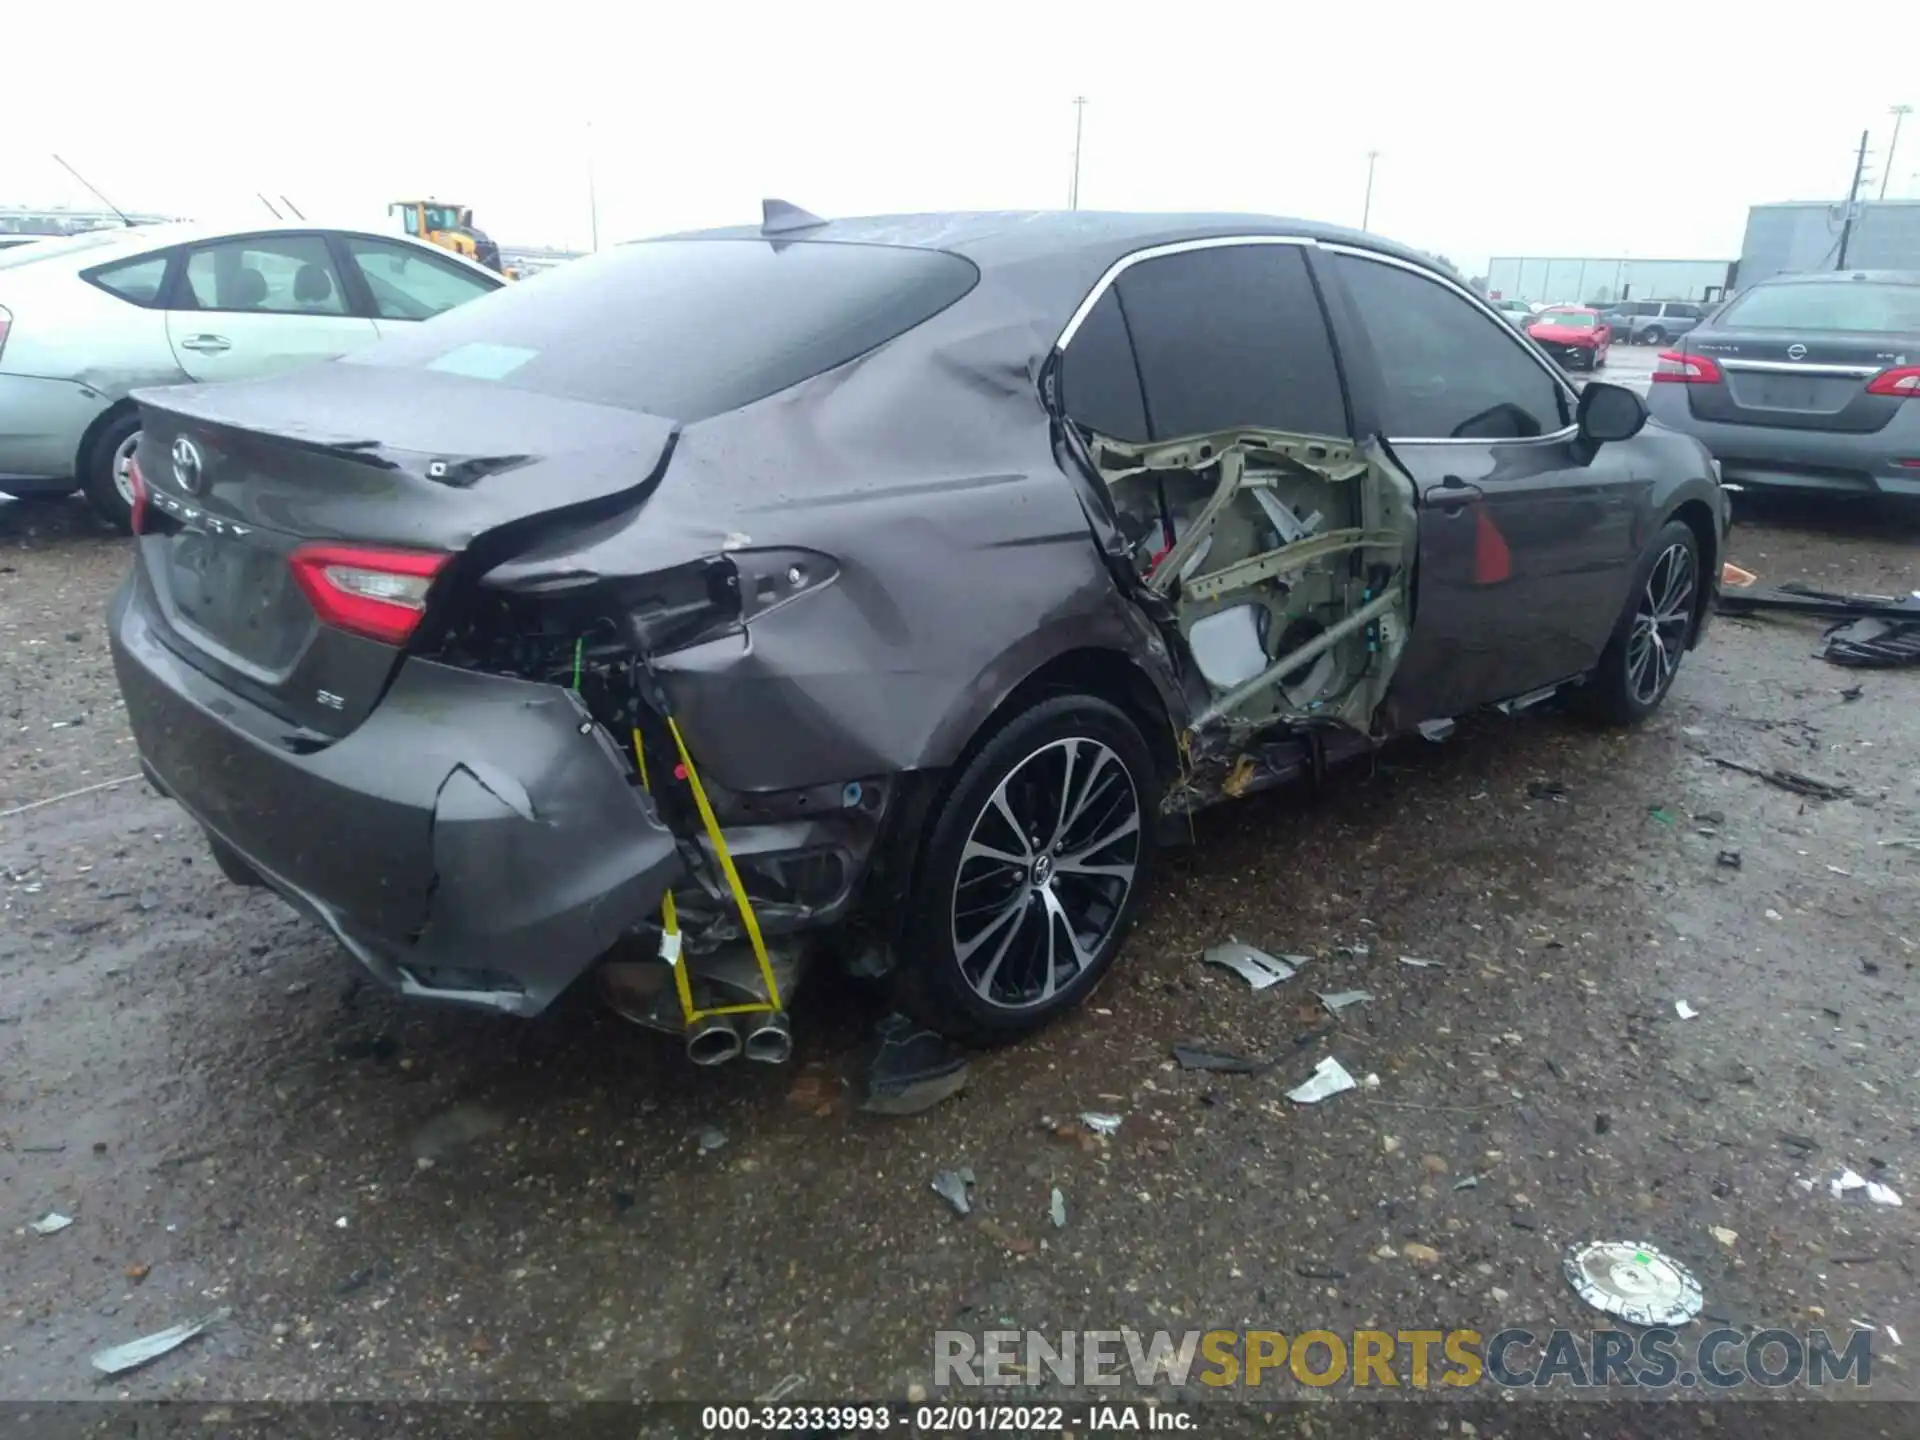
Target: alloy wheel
122,463
1045,873
1661,623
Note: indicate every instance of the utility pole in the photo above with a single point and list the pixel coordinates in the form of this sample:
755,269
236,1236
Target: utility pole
1366,208
593,198
1079,124
1853,198
1899,113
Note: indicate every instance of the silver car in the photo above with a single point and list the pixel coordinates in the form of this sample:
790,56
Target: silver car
86,319
1805,382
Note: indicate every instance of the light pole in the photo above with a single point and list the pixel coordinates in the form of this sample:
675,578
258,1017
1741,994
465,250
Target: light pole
1366,209
1899,113
1079,124
593,198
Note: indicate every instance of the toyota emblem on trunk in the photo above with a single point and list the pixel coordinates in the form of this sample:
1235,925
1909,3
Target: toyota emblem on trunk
187,471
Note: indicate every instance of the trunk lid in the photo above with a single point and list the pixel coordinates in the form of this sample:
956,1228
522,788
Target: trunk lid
240,477
1797,379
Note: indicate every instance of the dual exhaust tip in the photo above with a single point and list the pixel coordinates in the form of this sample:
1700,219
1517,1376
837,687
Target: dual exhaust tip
717,1039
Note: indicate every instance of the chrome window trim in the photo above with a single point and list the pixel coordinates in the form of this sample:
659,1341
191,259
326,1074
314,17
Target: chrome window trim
1566,432
1798,367
1154,252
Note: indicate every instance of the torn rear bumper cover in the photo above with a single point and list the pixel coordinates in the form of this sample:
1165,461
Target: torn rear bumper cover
476,839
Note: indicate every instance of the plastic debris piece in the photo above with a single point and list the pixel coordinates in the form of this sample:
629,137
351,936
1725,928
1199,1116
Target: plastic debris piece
1435,730
1684,1010
1256,967
1196,1057
1419,964
1893,1334
1723,1235
1354,952
1635,1281
953,1186
118,1359
1329,1078
1662,814
52,1223
1732,574
711,1139
1882,1194
1057,1211
1789,780
1342,999
912,1069
1845,1182
1100,1122
1548,790
1467,1182
782,1388
1730,859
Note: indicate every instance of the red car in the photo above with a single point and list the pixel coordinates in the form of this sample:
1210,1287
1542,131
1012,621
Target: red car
1573,335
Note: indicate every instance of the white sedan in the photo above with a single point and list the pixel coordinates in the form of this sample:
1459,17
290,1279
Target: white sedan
86,319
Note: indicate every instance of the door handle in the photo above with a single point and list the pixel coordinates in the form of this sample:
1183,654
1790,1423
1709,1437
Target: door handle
1452,494
206,344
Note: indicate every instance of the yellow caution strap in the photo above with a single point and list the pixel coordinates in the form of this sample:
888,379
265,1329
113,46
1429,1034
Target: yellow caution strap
670,937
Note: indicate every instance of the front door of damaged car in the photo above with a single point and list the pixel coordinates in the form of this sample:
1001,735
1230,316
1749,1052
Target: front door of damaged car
1525,537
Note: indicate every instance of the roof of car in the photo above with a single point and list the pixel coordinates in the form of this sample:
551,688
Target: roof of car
99,243
992,238
1844,277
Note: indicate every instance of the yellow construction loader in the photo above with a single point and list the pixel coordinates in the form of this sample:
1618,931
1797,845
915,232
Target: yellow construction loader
450,227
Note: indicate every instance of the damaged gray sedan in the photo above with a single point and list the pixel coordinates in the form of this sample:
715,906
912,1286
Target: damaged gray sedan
875,590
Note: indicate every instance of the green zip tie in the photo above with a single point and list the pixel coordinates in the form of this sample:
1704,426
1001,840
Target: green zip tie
579,645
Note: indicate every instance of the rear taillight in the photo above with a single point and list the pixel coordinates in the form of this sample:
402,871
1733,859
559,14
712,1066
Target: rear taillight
1902,382
137,483
1676,368
377,593
6,324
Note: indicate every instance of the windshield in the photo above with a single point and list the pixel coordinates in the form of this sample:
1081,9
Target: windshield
1567,319
1827,305
685,329
442,217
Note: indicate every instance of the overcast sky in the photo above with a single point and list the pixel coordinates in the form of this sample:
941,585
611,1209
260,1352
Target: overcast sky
1525,129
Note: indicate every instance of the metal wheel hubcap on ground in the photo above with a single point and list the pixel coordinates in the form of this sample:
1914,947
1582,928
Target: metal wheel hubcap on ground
1660,624
122,463
1046,871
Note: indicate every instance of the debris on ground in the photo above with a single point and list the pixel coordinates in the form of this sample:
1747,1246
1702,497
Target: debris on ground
1849,1180
1099,1122
1904,842
1196,1057
711,1138
1057,1210
1435,730
1798,1142
1633,1280
1662,814
1329,1078
52,1223
1549,790
1728,859
137,1271
1725,1236
451,1129
1732,575
1684,1010
912,1069
1791,780
1355,951
1344,999
953,1186
782,1388
1467,1182
1255,966
1420,1254
1872,644
1319,1272
1417,963
118,1359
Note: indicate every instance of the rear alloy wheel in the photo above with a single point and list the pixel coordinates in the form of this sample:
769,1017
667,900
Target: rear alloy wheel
1031,876
1653,335
107,480
1644,655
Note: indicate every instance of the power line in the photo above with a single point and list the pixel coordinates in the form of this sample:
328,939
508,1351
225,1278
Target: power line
1853,200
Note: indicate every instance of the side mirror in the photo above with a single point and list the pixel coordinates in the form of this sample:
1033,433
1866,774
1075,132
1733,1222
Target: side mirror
1610,412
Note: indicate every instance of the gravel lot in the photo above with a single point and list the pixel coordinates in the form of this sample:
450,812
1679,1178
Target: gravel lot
399,1201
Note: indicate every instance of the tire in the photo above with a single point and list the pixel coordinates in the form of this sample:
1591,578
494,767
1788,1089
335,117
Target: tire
103,475
1638,666
1002,936
1653,335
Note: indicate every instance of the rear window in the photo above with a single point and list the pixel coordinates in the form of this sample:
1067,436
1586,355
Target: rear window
1568,319
685,329
1828,305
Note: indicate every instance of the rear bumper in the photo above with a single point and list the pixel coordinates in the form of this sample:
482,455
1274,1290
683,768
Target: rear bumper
476,839
1765,456
41,422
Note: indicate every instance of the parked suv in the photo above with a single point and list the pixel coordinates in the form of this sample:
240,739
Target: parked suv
1652,322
